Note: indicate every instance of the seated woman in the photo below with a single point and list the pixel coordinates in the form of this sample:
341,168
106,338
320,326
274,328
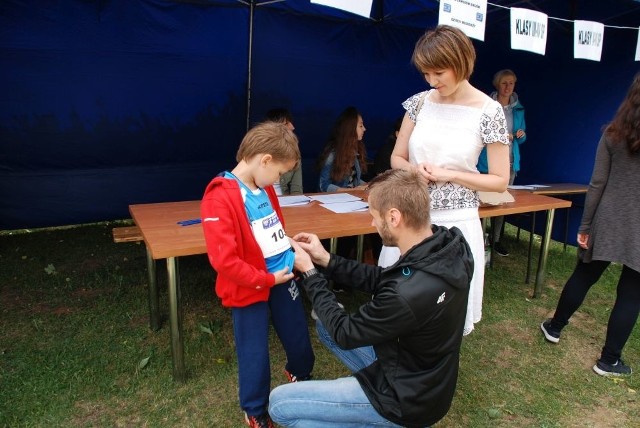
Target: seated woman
344,158
342,163
291,182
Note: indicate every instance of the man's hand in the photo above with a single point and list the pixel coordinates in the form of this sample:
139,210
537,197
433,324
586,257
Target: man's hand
283,275
311,244
302,261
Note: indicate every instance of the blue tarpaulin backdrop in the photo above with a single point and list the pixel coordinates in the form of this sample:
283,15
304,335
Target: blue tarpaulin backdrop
109,103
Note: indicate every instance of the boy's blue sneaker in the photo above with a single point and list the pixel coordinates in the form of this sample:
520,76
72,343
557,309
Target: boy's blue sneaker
550,333
609,370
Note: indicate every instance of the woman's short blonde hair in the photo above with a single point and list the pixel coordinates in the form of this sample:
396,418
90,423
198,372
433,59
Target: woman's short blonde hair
445,47
270,138
500,74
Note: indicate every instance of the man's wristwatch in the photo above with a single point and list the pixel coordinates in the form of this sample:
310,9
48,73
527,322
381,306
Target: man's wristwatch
311,272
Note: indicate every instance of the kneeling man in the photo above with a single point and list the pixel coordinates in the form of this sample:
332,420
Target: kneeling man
403,345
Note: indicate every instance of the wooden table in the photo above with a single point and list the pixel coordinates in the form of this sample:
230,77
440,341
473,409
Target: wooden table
557,190
166,239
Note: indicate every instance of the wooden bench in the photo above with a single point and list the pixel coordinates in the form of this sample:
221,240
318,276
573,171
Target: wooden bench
127,234
133,234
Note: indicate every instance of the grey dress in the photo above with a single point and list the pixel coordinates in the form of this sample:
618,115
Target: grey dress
612,207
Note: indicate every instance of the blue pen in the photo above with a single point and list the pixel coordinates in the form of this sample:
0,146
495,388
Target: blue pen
189,222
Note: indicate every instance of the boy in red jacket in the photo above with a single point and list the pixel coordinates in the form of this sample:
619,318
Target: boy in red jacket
247,246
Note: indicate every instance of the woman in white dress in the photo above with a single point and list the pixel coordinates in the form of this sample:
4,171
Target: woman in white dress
442,133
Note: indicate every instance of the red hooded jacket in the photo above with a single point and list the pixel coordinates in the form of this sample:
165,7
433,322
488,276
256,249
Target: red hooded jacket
233,251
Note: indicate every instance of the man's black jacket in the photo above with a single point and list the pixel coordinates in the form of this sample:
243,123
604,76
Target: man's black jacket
414,321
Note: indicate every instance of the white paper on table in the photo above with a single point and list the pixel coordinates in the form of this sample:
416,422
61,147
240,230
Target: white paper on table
346,207
495,198
527,186
292,200
332,198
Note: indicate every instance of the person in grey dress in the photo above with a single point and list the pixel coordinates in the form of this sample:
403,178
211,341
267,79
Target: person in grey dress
609,232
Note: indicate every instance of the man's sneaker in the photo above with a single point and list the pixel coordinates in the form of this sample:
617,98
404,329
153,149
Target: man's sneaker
550,333
500,249
262,421
293,378
617,369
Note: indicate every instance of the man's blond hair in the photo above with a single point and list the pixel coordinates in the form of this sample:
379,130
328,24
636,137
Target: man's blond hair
406,191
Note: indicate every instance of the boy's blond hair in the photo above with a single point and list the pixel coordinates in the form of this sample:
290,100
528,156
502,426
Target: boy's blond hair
270,138
406,191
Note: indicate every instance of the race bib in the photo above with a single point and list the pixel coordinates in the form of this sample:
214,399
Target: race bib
270,235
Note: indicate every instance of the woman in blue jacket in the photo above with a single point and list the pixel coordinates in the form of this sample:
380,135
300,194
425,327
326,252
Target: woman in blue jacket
505,81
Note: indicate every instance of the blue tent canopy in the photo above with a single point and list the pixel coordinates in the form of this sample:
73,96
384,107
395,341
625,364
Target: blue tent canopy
106,104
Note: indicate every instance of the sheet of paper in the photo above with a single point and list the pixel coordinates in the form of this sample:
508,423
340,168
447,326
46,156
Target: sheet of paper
346,207
520,187
332,198
289,201
495,198
528,186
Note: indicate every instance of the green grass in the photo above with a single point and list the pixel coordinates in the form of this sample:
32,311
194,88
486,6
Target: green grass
76,349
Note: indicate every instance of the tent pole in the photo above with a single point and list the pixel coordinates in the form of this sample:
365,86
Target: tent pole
252,5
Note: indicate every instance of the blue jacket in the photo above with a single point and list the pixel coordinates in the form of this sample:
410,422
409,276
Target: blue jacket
518,123
328,185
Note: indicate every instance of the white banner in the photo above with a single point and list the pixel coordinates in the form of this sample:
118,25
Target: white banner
638,47
528,30
468,15
587,40
359,7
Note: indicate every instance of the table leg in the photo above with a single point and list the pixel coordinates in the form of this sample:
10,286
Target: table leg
544,249
530,250
566,229
175,319
333,248
492,251
333,245
154,312
360,248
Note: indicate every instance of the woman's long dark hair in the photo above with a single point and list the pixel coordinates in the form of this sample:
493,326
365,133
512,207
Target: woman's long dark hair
344,142
625,126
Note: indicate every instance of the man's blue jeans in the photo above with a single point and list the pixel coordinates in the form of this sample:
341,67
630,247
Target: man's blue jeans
328,403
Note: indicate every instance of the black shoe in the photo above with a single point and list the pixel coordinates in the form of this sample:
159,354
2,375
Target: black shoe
617,369
293,378
261,421
550,333
500,249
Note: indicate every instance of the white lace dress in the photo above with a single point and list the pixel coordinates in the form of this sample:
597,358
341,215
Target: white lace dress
452,136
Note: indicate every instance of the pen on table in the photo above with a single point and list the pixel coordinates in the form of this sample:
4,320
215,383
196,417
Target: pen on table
189,222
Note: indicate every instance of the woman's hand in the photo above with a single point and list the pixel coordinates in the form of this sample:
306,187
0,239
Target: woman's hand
583,240
436,173
519,133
